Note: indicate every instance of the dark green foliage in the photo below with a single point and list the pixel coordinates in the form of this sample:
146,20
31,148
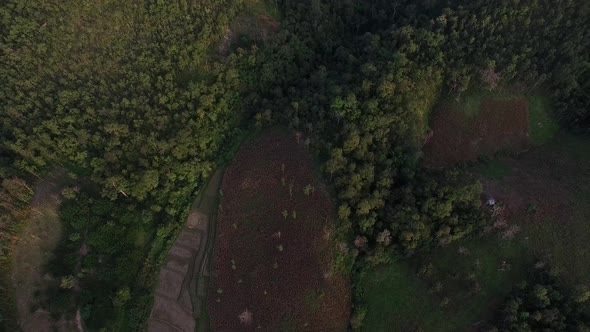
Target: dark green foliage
435,210
114,98
541,304
96,264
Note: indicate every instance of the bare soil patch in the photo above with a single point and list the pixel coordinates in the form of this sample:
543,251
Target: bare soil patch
501,125
247,29
272,265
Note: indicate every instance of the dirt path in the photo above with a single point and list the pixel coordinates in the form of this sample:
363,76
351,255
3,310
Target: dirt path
181,291
273,266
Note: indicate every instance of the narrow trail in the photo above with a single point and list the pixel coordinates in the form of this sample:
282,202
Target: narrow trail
180,295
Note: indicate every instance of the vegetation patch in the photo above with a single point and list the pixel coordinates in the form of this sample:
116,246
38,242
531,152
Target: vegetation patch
273,261
543,126
543,216
255,24
94,268
551,207
429,292
493,169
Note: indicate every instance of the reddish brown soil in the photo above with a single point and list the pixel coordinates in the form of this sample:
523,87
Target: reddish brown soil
259,28
294,289
501,125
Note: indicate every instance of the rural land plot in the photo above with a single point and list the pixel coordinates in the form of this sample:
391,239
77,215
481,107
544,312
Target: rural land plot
483,125
272,262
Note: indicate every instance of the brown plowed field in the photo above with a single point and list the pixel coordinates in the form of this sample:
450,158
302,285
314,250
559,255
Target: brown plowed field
278,269
501,125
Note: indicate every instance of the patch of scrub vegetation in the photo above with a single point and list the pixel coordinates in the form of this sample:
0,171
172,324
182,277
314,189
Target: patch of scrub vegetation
454,288
543,125
97,263
543,304
262,7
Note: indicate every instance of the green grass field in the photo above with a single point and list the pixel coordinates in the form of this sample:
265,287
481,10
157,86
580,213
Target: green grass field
494,169
542,126
401,297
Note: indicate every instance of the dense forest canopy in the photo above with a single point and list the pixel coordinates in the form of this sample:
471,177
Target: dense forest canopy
132,97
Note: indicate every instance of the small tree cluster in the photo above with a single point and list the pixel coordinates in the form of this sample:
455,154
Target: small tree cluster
542,305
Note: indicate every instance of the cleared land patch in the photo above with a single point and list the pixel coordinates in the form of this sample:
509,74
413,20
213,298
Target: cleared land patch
499,125
272,263
255,24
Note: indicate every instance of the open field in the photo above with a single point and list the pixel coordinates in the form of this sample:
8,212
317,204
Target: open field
272,263
484,124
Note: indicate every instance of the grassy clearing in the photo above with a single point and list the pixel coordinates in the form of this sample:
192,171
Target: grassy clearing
542,126
414,293
494,169
396,299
